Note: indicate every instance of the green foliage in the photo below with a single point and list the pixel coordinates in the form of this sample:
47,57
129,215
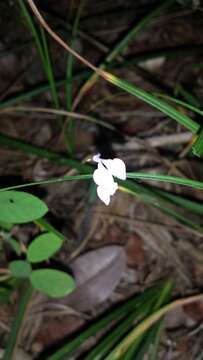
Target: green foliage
13,244
150,99
124,317
20,269
5,226
198,145
43,247
20,207
52,282
43,49
4,294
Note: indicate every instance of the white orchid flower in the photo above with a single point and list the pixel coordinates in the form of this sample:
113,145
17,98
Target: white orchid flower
103,176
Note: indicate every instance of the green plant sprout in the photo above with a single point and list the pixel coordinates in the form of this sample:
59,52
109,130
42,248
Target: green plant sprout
19,208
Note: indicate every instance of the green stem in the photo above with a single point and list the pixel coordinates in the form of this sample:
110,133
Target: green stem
166,178
18,321
134,175
42,153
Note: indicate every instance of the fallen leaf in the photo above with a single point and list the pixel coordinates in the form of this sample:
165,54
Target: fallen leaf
55,329
194,311
135,251
97,273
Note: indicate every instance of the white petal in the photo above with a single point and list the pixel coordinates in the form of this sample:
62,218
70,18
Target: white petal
113,189
103,194
116,167
103,177
97,158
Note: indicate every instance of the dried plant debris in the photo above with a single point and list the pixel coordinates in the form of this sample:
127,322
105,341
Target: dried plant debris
97,274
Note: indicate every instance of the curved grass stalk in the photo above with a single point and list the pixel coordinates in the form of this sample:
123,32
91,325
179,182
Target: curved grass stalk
167,109
61,112
143,192
121,349
134,175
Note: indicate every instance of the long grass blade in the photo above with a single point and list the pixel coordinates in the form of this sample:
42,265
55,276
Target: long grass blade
155,102
15,329
69,126
48,67
57,112
32,28
120,46
38,90
166,178
42,47
184,104
139,93
106,344
149,197
118,353
116,314
139,191
142,344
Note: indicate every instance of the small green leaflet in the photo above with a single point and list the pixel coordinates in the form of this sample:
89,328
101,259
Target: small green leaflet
20,207
43,247
20,269
54,283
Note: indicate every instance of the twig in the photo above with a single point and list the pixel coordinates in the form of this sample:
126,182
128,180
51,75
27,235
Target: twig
74,115
156,141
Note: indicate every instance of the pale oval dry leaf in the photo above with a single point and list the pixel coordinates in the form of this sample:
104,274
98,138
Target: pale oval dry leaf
97,274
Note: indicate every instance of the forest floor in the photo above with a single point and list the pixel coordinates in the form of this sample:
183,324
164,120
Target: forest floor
165,57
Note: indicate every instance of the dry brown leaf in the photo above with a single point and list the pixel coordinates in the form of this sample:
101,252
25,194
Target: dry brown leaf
135,251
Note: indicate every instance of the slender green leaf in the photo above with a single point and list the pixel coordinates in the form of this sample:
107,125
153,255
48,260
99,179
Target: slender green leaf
116,314
42,47
37,90
48,67
13,244
5,294
166,178
197,148
121,45
191,205
133,175
133,351
46,226
69,130
157,332
140,26
149,197
144,193
42,153
32,27
155,102
188,96
11,343
180,102
111,339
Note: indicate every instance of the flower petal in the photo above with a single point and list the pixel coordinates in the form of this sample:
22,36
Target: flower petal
103,177
116,167
103,194
113,188
97,158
